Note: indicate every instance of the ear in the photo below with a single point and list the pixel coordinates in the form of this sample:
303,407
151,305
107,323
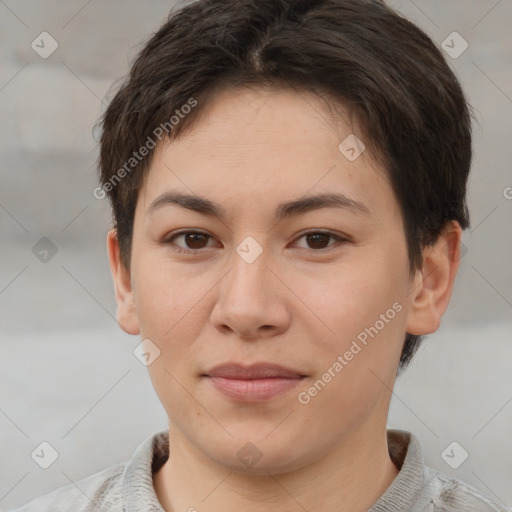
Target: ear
433,284
126,312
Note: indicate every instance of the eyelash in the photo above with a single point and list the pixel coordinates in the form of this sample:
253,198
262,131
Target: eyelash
170,241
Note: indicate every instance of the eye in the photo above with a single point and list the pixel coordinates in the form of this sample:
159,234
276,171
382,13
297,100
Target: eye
317,240
194,241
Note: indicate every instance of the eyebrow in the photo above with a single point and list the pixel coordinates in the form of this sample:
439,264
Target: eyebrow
284,210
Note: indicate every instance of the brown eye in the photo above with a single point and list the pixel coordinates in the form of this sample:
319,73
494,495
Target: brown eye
193,241
318,240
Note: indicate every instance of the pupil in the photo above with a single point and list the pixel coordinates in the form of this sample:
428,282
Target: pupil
193,237
318,237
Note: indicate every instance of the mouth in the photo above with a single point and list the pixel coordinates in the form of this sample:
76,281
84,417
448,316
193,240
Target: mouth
254,383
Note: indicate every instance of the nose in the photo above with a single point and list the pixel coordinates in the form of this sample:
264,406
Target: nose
251,301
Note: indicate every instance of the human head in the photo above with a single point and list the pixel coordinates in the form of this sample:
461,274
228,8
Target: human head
358,54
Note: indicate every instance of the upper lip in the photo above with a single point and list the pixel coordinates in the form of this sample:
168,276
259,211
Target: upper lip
253,371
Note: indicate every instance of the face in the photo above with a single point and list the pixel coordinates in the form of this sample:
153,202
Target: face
323,291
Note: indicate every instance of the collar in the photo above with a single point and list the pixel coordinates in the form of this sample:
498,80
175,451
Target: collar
405,451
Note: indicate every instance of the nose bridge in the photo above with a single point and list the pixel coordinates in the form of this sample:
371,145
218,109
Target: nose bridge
247,302
249,267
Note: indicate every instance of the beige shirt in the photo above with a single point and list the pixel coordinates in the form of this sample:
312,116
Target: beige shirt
128,486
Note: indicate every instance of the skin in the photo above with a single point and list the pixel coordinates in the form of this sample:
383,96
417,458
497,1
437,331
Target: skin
292,306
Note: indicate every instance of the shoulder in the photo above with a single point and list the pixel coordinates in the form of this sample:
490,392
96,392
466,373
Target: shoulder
101,491
447,494
419,488
127,485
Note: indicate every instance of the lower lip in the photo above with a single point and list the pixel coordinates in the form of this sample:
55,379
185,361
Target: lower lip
254,390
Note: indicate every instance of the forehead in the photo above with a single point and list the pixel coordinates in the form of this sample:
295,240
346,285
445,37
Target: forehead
252,148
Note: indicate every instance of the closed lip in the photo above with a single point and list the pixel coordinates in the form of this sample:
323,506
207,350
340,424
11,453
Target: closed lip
262,370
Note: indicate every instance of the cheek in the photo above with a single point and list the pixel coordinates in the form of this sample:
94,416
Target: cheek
353,296
355,367
166,296
365,305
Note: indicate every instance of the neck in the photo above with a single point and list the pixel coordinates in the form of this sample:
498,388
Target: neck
350,478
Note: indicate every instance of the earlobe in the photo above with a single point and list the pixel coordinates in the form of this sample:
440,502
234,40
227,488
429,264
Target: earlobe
433,284
126,311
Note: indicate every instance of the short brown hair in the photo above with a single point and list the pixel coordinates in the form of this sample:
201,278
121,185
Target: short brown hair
359,53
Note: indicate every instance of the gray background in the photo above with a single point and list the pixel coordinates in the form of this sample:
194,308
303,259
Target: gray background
68,373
